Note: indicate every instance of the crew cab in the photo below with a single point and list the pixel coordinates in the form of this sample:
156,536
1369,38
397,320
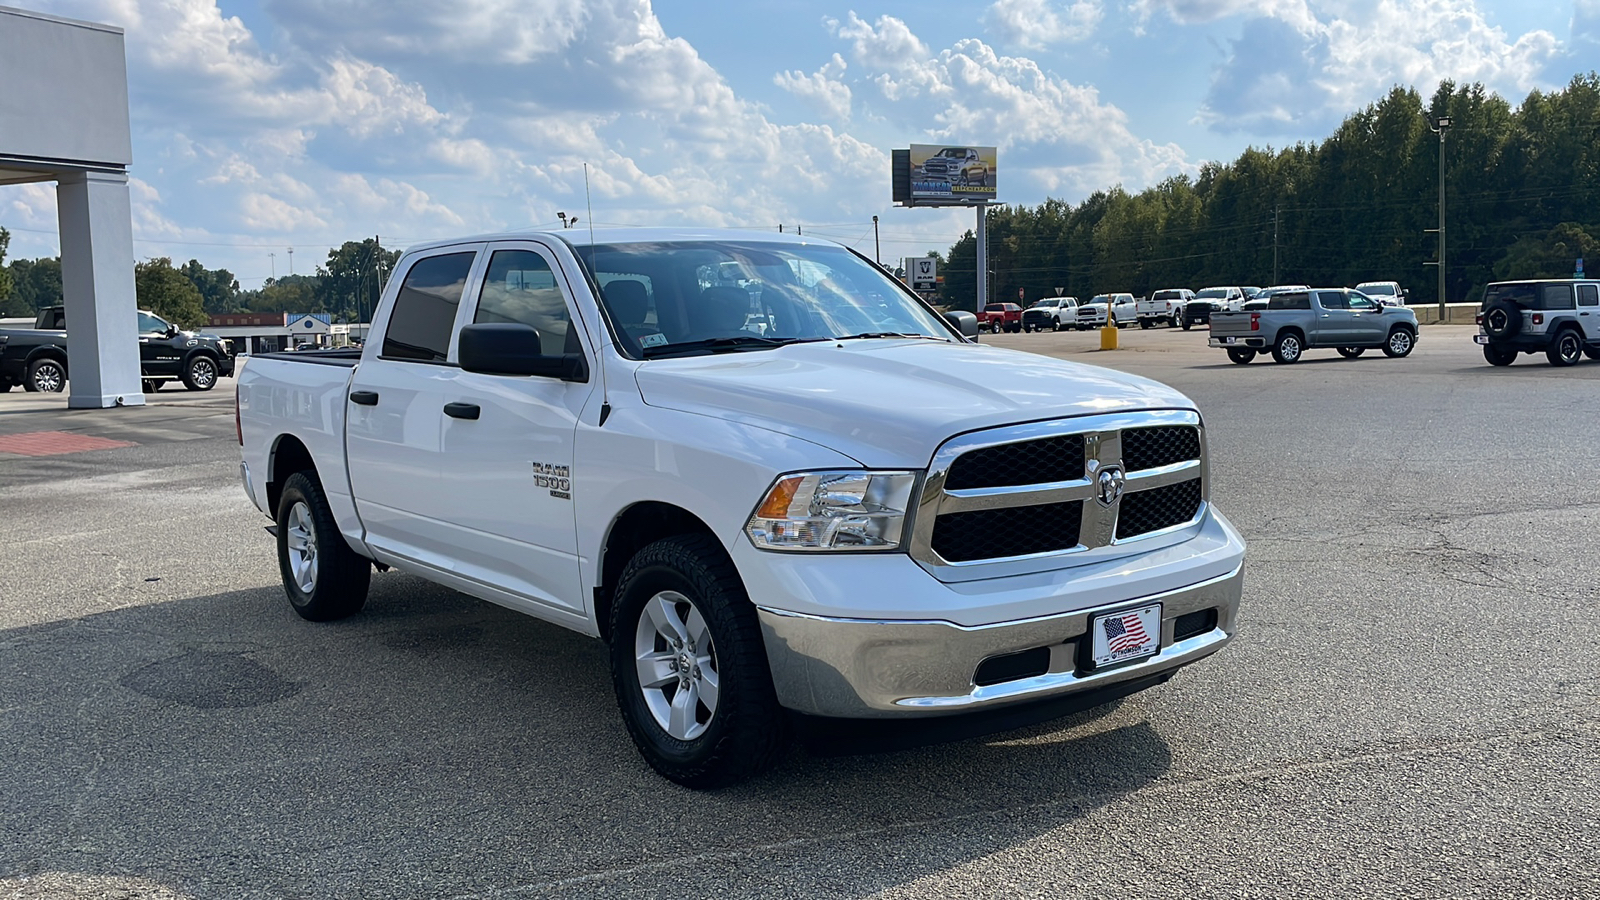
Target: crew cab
1558,316
999,317
1117,308
1295,321
807,522
957,165
36,358
1054,313
1162,307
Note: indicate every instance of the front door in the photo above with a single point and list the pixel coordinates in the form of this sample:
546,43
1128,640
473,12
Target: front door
159,353
1367,323
507,440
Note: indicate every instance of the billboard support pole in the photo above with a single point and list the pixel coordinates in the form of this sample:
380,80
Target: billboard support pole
983,256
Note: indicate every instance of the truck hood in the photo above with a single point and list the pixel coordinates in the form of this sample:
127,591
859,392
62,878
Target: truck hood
891,403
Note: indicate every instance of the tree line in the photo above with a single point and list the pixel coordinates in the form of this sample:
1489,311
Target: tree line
346,287
1522,200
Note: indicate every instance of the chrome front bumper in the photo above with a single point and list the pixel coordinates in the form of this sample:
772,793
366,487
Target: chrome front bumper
856,668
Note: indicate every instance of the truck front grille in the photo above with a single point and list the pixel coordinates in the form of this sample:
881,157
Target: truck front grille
1062,487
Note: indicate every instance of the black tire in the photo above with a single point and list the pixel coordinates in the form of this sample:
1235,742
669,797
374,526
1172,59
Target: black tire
1145,323
1499,356
1241,355
1351,352
747,732
5,386
46,375
1173,322
1399,343
150,385
1055,324
1566,349
1289,348
200,373
1502,319
339,576
1187,324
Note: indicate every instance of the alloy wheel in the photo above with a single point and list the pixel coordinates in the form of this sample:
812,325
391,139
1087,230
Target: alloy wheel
677,665
302,543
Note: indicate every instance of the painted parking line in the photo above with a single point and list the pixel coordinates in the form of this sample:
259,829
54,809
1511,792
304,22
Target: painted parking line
54,443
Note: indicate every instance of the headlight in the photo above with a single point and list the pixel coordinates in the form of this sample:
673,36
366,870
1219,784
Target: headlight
836,510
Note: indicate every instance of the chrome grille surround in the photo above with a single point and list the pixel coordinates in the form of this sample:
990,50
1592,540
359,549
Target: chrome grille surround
1096,539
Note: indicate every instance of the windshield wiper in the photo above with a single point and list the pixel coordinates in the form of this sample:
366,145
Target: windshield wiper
872,335
719,345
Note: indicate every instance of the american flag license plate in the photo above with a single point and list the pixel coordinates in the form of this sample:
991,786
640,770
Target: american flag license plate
1125,635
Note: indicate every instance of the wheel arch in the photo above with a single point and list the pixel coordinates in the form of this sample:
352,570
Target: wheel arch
287,456
48,351
639,525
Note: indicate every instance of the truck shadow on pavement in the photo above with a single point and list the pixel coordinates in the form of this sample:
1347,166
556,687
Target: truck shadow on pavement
438,746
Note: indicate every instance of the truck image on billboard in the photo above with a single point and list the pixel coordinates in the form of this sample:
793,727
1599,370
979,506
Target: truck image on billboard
954,174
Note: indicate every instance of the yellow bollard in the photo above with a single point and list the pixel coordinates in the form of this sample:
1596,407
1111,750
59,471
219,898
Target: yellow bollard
1108,336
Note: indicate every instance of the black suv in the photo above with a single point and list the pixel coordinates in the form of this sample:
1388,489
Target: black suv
37,358
1559,316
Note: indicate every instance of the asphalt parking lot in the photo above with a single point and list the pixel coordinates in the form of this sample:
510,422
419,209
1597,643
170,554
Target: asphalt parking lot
1411,709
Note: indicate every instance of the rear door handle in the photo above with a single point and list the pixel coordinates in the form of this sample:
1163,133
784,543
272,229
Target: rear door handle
461,410
364,398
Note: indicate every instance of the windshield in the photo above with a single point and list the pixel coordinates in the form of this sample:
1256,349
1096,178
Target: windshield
1370,288
1213,294
724,296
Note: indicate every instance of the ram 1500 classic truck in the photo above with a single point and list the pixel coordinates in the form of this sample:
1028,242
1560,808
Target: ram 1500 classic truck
766,523
1297,320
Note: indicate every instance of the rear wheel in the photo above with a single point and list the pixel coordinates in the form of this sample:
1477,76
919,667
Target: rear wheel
1351,352
46,376
1567,348
1288,348
1240,356
1400,343
1499,356
323,577
1145,323
689,667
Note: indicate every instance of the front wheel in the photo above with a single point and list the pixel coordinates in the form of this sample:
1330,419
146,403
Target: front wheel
1399,344
1288,349
1351,352
200,374
1187,325
689,667
1499,356
1241,356
323,577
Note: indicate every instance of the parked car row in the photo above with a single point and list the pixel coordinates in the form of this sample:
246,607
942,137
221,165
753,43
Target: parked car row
36,358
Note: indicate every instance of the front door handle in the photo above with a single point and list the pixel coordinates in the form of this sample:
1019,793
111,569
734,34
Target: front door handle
364,398
461,410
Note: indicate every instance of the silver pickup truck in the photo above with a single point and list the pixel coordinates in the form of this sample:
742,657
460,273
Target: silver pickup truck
1296,321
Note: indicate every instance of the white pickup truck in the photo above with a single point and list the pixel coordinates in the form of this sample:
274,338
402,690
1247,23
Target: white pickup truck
777,484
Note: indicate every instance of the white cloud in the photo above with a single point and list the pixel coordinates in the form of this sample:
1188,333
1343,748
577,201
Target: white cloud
822,89
1296,13
1037,24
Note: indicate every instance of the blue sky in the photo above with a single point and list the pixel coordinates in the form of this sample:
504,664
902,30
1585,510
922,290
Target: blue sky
261,125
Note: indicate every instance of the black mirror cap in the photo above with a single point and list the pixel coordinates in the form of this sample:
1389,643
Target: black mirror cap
964,322
514,349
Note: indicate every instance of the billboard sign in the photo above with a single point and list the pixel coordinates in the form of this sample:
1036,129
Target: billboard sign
952,174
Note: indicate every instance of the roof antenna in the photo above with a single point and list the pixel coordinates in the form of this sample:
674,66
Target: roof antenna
589,208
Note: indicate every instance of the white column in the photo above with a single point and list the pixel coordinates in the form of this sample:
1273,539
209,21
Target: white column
96,222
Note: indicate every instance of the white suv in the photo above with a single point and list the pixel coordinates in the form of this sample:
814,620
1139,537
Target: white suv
1559,316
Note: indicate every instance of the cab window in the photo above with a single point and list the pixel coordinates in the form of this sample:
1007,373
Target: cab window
1589,295
521,288
425,310
149,324
1362,303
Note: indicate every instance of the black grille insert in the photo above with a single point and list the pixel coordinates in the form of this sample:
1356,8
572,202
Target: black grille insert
1001,533
1190,624
1025,462
1146,511
1012,667
1149,448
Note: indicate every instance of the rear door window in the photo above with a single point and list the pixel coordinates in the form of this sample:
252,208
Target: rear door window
1330,299
1555,296
1588,295
1290,301
424,313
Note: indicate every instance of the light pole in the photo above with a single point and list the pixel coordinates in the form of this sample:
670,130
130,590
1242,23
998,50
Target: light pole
274,259
877,251
1439,128
291,261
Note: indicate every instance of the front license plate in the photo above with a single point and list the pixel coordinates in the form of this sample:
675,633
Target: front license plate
1480,339
1130,634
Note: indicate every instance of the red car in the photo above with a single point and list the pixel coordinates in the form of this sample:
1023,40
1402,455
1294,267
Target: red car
1001,317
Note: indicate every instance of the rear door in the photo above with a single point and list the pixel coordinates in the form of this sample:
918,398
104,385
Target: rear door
506,446
394,409
1332,325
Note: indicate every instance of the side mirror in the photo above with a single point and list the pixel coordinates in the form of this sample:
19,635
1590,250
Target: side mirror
172,330
964,322
514,349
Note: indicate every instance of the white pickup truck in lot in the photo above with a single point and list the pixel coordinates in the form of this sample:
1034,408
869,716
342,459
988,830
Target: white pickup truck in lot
775,482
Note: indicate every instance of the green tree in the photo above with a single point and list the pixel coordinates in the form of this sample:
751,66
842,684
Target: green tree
354,277
35,284
219,290
166,292
7,306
